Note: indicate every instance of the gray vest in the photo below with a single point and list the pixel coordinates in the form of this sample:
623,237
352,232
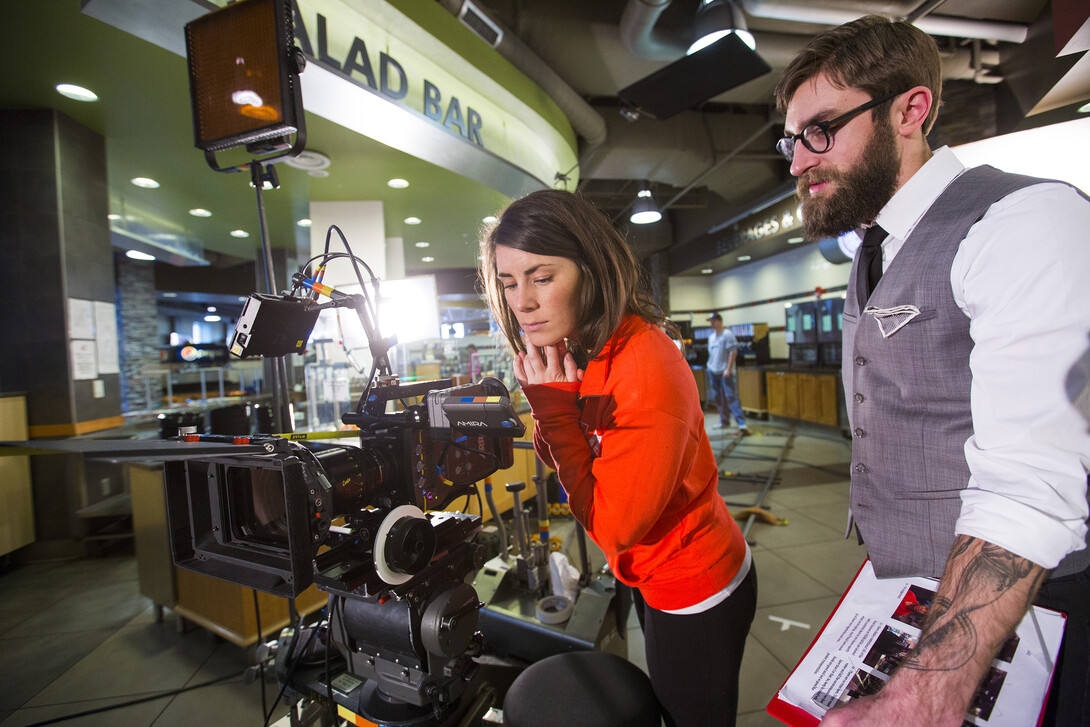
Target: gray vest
908,394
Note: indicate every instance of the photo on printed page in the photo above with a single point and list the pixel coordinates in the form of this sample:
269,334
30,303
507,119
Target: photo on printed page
985,698
889,650
1008,649
913,608
862,684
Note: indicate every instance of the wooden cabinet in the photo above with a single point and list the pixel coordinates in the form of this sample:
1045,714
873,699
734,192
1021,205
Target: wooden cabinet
16,498
700,374
783,393
818,399
810,397
751,390
223,608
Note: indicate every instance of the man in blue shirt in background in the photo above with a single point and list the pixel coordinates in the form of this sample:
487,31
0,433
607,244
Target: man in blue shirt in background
723,374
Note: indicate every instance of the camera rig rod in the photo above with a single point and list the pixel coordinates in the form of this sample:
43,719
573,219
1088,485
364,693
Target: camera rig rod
380,347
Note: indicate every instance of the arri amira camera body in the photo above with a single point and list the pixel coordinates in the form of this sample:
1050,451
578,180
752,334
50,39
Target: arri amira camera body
364,523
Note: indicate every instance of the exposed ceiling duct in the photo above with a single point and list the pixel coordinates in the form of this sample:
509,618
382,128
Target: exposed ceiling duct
838,12
587,122
642,38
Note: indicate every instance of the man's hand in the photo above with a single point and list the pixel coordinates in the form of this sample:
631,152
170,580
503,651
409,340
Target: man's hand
558,365
879,710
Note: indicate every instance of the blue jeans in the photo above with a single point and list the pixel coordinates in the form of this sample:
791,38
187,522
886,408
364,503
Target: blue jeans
724,392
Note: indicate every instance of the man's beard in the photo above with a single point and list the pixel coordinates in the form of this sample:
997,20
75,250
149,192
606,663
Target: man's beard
860,193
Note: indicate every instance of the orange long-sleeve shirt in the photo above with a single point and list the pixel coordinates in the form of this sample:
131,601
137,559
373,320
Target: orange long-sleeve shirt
629,446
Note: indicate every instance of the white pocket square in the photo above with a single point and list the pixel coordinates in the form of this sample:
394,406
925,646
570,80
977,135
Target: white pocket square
891,320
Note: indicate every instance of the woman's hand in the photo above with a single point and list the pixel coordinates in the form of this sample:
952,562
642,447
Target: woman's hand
558,365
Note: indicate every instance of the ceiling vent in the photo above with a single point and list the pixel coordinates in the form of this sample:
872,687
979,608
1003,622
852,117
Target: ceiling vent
480,24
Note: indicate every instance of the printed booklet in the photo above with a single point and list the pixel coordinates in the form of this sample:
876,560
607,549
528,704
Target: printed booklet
875,625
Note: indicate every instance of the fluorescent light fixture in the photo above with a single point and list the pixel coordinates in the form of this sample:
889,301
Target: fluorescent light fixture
427,259
398,183
145,182
707,271
304,222
239,233
170,295
211,309
137,255
423,244
794,240
412,220
786,305
76,93
744,258
199,212
212,319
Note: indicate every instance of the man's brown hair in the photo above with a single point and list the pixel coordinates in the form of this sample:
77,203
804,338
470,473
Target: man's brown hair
873,54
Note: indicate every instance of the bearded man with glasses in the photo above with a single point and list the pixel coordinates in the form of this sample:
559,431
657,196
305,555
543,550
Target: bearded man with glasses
967,305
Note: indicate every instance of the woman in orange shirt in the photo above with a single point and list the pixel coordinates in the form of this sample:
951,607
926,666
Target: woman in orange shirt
617,414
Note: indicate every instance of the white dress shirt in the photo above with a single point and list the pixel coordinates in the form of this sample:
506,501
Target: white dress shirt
1022,276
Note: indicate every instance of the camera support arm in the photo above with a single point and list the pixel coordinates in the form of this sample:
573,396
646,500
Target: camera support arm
379,346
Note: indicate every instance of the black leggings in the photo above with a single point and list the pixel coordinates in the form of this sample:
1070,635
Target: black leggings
694,659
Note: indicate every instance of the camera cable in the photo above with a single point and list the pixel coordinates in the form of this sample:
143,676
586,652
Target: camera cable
149,698
258,650
292,666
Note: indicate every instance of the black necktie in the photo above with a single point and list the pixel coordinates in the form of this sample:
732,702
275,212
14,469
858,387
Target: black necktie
870,264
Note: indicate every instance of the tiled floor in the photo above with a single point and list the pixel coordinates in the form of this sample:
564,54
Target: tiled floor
76,636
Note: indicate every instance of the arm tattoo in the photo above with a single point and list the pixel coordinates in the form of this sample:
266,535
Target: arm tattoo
984,579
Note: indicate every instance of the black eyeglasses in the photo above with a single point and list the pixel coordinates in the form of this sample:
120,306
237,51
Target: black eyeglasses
818,137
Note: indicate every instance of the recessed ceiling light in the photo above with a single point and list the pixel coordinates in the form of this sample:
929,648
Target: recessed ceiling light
145,182
212,319
137,255
304,222
423,244
490,219
113,216
427,259
412,220
794,240
707,271
744,258
76,93
398,183
198,212
239,233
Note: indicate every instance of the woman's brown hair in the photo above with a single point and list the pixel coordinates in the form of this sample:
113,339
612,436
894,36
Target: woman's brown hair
563,224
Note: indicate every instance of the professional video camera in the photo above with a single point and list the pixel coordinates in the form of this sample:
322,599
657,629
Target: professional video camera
362,523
